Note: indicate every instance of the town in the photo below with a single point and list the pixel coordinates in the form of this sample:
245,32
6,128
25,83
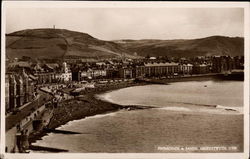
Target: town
32,87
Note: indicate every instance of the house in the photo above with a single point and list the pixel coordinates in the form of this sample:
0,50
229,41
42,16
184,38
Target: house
186,69
222,64
21,64
126,72
26,87
7,95
66,76
201,69
19,91
45,77
101,64
93,73
51,67
12,92
112,73
76,75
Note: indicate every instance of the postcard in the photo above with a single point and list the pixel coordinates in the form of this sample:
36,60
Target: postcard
114,79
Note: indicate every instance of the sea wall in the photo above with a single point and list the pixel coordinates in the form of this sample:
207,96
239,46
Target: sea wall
203,77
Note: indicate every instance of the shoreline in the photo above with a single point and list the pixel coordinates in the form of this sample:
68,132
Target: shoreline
85,106
204,77
89,105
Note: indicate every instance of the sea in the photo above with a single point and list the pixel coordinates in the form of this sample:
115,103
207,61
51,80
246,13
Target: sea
193,116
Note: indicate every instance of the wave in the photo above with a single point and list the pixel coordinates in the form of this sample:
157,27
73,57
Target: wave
229,108
238,109
101,115
105,97
212,110
193,104
175,108
184,106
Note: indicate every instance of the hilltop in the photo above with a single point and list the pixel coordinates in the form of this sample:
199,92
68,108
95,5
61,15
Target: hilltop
214,45
59,43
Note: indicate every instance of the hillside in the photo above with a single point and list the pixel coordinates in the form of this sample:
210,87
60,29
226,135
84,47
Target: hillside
58,43
214,45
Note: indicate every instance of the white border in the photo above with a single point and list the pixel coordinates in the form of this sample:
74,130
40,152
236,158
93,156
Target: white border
2,134
113,4
246,83
122,4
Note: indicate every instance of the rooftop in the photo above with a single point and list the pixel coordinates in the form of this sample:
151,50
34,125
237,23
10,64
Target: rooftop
161,64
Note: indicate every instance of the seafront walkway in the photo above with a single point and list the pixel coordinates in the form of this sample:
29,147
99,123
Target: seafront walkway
13,118
201,75
22,112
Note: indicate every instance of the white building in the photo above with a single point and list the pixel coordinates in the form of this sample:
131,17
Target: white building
186,68
93,73
66,74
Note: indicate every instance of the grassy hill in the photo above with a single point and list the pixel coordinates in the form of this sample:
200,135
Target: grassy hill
58,43
61,43
214,45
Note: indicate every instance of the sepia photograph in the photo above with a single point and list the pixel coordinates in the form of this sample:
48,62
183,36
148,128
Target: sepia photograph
125,77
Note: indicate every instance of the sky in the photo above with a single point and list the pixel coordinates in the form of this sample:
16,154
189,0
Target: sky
132,23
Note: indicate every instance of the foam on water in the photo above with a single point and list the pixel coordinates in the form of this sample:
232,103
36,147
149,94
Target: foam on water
105,97
176,109
220,110
228,108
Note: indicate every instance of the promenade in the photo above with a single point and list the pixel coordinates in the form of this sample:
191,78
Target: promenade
13,118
